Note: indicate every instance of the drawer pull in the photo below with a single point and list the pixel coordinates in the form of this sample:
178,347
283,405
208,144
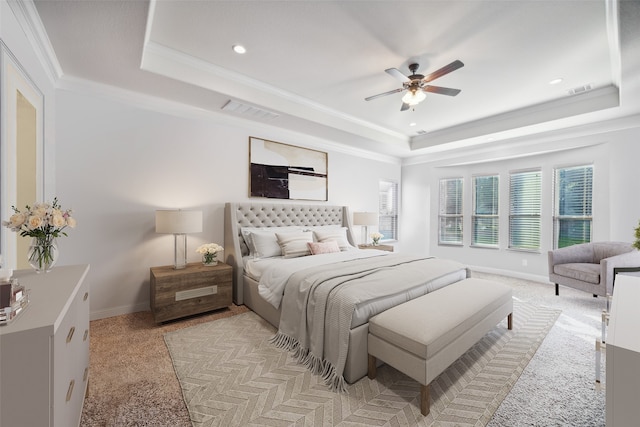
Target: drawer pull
86,295
86,334
86,374
70,389
70,334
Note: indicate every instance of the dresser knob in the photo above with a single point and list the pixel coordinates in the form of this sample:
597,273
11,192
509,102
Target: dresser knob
86,295
70,389
70,334
86,334
86,374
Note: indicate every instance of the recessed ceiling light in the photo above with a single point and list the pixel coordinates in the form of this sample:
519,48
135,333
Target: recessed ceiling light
412,124
555,81
238,48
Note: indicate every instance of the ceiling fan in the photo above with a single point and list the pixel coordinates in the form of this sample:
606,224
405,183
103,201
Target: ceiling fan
416,84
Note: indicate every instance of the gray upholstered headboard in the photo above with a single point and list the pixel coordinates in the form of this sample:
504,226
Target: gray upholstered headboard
237,215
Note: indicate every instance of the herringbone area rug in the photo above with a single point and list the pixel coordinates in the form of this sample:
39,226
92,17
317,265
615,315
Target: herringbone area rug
232,376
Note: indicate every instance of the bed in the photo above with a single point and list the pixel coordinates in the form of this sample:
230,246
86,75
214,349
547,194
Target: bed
240,217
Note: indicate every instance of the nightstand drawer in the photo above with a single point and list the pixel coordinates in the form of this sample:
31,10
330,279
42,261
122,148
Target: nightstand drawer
192,290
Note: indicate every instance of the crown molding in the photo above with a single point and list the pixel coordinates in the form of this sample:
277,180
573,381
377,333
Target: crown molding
164,106
29,19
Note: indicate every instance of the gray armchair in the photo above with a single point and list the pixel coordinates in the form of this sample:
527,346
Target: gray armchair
589,266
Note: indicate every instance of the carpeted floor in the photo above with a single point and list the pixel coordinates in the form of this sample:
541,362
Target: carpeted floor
132,381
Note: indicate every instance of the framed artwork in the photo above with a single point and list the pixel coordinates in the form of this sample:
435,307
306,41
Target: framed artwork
282,171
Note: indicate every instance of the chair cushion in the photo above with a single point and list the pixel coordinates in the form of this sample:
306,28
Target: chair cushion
426,325
585,272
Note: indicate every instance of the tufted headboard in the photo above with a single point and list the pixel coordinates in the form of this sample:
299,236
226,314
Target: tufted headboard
238,215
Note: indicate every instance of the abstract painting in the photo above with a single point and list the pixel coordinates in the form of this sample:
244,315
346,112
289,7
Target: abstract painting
282,171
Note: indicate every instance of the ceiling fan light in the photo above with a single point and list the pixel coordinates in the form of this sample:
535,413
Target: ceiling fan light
414,98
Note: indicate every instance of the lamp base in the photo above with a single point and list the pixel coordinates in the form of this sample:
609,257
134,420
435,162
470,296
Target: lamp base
180,251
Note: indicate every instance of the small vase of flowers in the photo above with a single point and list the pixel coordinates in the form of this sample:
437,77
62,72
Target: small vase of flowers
209,252
375,237
44,223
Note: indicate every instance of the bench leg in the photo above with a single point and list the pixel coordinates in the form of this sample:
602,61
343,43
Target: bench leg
510,321
371,373
424,399
557,289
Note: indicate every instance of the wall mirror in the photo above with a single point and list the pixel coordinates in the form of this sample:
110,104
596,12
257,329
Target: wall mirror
21,152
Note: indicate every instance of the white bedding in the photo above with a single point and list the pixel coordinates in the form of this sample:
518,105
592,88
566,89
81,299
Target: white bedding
272,273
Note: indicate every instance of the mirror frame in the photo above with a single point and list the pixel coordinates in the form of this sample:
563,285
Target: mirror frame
14,78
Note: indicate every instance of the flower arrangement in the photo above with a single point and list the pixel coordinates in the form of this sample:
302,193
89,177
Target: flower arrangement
209,252
636,243
43,222
376,238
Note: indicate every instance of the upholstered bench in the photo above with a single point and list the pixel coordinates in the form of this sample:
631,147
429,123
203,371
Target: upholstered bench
423,336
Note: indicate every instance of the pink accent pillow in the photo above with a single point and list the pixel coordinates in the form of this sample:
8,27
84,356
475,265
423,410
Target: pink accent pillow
318,248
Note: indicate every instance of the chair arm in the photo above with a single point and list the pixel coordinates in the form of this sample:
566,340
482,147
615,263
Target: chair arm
629,259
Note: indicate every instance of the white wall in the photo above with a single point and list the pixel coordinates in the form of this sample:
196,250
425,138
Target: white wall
118,163
616,209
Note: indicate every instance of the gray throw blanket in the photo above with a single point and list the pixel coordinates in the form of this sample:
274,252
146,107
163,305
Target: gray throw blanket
318,305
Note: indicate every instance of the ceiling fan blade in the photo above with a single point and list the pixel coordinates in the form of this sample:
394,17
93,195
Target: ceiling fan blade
443,71
384,94
441,90
405,106
394,72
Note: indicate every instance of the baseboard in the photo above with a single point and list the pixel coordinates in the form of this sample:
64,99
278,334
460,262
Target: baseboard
510,273
118,311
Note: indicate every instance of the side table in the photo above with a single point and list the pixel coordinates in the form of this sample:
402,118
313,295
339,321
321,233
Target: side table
191,290
388,248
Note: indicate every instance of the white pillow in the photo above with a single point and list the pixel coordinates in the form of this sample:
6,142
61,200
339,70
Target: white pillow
264,244
295,244
339,235
264,232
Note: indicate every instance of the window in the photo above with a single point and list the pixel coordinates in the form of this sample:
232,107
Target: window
524,210
450,212
388,210
572,217
484,220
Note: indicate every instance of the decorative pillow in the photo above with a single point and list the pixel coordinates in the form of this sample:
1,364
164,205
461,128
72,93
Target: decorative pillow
318,248
267,239
339,236
295,244
264,244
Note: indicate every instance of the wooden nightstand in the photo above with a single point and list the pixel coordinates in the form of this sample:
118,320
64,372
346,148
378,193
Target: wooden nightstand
191,290
388,248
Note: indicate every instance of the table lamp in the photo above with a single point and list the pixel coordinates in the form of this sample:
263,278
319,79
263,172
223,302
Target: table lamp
365,219
179,223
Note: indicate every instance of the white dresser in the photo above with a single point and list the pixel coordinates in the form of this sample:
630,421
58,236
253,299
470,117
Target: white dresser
44,352
623,354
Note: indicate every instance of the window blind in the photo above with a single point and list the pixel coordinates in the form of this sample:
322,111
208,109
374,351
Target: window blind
485,220
572,217
450,212
388,210
524,210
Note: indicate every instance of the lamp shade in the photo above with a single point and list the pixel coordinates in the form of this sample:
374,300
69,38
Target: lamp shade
365,218
414,97
178,221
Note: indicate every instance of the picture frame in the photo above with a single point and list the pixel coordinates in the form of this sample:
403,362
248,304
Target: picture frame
283,171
